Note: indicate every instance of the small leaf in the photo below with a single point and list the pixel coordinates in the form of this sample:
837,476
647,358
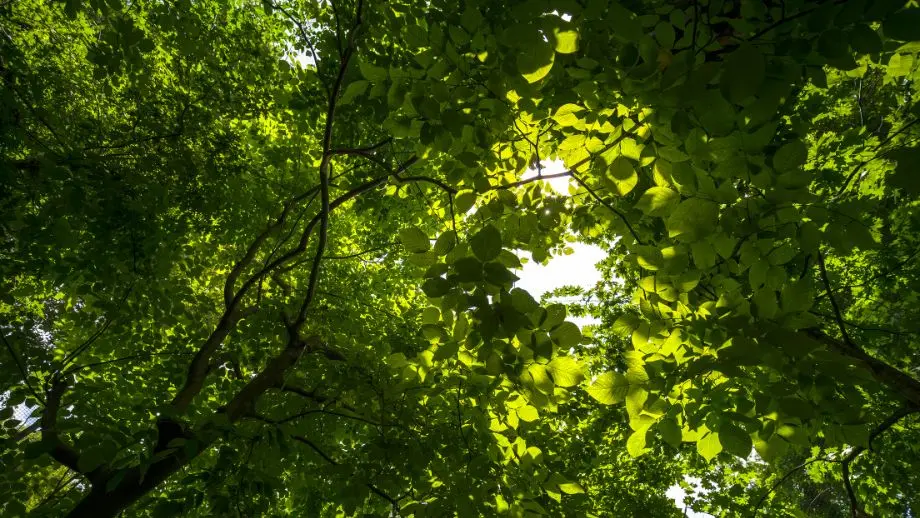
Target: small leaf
414,239
535,61
609,388
566,41
657,201
566,371
571,488
528,413
445,243
790,156
436,287
709,446
487,243
735,440
635,444
623,175
464,201
743,73
903,25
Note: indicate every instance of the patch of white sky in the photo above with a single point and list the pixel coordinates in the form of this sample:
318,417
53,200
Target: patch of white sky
579,269
679,495
576,269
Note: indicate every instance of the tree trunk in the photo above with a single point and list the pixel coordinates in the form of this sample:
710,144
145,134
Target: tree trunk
102,503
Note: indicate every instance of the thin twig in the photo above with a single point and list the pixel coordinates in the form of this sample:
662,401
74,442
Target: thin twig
838,316
610,207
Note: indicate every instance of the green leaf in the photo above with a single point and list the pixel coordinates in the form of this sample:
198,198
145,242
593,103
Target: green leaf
566,371
487,243
623,23
566,41
833,46
903,25
797,296
623,175
535,61
523,301
907,172
709,446
772,449
566,335
566,114
436,287
93,457
657,201
528,413
625,324
464,201
735,440
354,90
445,243
789,157
693,218
371,72
865,40
468,269
540,378
414,239
670,431
635,444
497,274
571,488
743,73
609,388
664,33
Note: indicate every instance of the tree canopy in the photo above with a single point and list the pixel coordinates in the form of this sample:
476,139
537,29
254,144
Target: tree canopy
258,258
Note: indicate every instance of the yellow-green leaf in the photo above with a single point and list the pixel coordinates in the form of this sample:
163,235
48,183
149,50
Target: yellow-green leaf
566,371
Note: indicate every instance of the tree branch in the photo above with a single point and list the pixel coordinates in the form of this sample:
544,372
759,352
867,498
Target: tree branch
362,150
838,316
59,450
895,380
22,369
610,207
865,162
857,451
324,174
271,376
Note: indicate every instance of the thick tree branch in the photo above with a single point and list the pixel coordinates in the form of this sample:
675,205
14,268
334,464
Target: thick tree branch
59,450
271,376
895,380
242,264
